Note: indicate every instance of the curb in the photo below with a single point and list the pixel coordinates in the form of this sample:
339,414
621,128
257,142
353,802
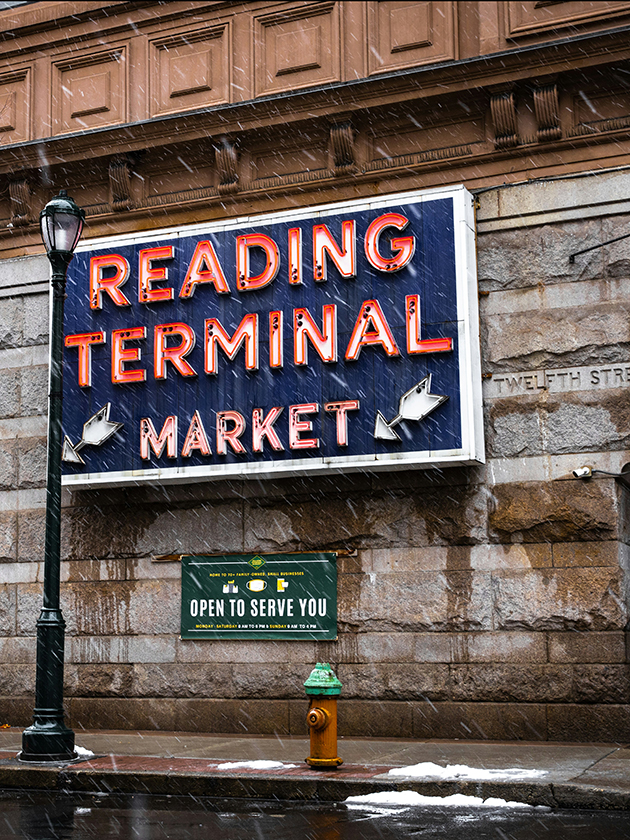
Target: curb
77,779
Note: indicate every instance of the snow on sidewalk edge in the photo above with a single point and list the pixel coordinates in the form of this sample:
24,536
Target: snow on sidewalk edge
409,798
260,764
429,770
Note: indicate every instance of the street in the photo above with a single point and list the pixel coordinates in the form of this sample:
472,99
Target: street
49,816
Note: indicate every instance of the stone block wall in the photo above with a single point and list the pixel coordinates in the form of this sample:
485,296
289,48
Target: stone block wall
478,602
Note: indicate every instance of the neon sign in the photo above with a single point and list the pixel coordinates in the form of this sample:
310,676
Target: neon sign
334,338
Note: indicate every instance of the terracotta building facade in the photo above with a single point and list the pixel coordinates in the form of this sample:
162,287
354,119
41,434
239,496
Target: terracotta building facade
487,601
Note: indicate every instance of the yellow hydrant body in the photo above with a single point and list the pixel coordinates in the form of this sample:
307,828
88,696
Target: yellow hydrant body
323,688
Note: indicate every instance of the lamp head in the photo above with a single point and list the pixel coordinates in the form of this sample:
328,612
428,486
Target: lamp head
61,223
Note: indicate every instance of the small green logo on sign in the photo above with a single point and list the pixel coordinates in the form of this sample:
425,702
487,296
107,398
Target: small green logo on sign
257,562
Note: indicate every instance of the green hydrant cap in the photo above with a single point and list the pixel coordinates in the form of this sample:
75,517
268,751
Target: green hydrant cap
323,681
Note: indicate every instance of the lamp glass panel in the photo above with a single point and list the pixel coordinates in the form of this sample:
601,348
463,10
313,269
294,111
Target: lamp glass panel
67,231
48,232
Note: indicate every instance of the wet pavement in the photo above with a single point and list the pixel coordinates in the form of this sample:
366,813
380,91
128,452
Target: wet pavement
583,776
56,816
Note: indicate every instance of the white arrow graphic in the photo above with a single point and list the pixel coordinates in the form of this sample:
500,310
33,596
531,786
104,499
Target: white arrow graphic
96,431
415,404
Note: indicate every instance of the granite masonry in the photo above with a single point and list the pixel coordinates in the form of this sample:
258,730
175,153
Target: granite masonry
474,602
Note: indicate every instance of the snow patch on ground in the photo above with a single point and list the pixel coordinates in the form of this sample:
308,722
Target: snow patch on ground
409,798
260,764
428,770
83,753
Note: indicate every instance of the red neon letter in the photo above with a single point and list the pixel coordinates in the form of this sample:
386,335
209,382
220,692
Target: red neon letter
167,437
148,275
204,268
255,240
196,438
121,355
295,256
324,342
341,409
296,426
263,428
403,247
414,344
111,285
275,339
231,436
247,331
371,314
84,342
162,353
343,259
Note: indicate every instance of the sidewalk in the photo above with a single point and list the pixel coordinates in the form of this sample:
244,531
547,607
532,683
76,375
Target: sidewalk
576,775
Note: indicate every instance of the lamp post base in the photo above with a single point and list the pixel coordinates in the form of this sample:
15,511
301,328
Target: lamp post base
48,738
47,742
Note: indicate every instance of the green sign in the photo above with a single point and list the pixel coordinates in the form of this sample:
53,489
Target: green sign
255,596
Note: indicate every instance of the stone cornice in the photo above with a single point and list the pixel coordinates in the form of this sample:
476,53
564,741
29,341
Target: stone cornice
194,205
327,101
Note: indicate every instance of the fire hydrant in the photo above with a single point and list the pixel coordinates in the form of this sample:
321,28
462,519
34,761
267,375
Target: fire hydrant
323,688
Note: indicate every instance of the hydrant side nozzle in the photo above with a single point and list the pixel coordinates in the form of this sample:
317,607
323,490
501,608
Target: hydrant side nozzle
318,718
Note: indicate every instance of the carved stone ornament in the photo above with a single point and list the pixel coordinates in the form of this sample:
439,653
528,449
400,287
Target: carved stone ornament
547,111
503,108
226,160
120,182
20,194
342,144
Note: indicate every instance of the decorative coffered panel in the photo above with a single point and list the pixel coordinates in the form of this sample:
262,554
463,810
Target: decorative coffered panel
171,176
190,70
286,158
297,47
601,109
90,91
403,33
15,106
538,17
398,140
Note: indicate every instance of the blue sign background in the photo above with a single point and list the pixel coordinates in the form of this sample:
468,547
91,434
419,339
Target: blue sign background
375,379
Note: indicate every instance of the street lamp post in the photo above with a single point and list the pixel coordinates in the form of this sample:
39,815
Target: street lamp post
49,739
